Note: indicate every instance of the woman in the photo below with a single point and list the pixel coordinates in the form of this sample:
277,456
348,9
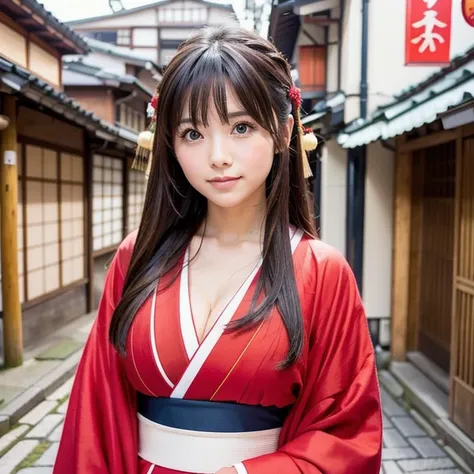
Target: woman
228,339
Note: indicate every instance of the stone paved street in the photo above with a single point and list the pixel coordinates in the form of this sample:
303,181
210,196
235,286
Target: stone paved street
410,446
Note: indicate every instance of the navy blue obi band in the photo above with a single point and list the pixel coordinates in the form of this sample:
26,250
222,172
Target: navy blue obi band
215,417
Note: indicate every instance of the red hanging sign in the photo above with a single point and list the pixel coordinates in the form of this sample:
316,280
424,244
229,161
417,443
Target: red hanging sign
468,11
428,32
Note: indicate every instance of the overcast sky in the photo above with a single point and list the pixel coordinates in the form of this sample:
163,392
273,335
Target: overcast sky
66,10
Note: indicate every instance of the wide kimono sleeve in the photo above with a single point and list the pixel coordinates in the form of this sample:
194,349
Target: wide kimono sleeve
336,425
100,429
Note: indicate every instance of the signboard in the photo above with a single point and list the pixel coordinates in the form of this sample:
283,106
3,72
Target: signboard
428,32
468,11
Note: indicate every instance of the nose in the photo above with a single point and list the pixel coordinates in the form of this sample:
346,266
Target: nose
220,156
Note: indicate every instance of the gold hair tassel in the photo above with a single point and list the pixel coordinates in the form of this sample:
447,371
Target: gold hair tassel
306,168
143,152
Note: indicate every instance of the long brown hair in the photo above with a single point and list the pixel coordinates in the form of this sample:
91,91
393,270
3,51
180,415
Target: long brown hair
174,210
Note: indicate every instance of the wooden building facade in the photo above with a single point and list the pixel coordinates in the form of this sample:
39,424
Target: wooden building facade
68,195
155,30
426,136
433,285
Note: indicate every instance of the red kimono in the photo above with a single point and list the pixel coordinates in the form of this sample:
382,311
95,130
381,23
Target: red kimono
334,426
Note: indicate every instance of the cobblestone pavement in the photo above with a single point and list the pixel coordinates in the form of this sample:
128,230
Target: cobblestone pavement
409,446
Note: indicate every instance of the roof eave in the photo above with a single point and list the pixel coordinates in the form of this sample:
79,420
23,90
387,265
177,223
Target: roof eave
127,11
46,26
62,105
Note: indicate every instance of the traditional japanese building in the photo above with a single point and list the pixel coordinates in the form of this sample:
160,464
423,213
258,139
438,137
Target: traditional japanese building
348,59
432,127
154,31
391,196
116,85
50,145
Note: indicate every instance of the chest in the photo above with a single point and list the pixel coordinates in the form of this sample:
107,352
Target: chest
215,277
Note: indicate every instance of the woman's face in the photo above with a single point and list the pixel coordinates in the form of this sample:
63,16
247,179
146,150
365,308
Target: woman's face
227,163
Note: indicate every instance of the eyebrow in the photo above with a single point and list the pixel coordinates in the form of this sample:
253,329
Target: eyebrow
240,113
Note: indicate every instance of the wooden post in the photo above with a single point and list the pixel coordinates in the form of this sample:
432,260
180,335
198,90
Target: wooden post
12,327
401,254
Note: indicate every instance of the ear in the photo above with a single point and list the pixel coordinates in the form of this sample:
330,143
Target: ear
289,129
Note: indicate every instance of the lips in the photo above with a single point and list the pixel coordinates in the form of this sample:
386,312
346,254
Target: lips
224,179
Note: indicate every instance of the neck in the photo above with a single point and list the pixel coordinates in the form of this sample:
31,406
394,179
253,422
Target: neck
244,222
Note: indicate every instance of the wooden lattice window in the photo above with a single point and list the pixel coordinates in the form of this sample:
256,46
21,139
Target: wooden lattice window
41,221
107,203
72,217
136,198
50,220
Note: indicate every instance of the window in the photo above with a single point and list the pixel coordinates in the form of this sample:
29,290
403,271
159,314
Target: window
182,15
107,202
312,67
106,36
50,220
72,218
132,118
124,37
136,198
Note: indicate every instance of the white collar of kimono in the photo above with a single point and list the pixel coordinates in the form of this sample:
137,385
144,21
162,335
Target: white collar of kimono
198,353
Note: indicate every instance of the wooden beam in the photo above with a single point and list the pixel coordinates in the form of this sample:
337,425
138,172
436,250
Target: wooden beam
418,165
12,323
457,235
401,253
429,141
468,130
321,21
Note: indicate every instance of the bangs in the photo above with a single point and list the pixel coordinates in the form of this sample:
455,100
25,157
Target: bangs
207,75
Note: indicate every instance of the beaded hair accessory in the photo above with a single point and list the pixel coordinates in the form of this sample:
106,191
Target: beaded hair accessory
309,141
145,141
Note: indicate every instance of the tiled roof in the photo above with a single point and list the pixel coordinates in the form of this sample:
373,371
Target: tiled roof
418,105
101,74
22,82
112,50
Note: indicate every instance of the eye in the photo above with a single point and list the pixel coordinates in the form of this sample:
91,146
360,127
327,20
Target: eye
243,128
191,135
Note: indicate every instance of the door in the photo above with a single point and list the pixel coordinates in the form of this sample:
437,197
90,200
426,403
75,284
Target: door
436,252
462,369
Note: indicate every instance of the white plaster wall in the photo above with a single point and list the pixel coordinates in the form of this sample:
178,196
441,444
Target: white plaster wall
176,33
145,37
221,17
332,55
351,57
333,195
378,231
105,61
142,18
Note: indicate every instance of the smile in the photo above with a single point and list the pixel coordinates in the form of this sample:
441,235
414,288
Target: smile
224,182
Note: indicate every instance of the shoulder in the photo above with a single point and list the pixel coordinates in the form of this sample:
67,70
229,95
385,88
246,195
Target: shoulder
124,252
322,261
326,278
